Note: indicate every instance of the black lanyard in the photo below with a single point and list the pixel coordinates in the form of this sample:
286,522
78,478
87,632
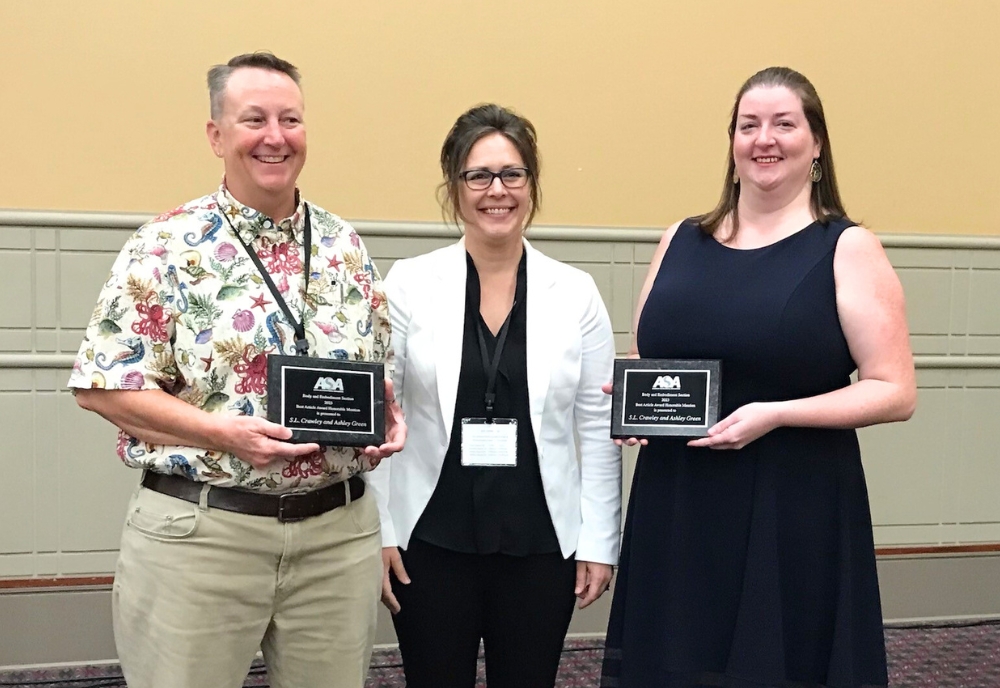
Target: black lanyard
491,367
301,345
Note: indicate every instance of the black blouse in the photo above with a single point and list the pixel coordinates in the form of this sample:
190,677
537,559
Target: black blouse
489,510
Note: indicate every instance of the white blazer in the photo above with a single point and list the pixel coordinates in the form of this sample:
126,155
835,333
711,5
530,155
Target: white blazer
570,354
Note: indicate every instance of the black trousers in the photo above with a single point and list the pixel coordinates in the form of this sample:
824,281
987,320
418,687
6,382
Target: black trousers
519,606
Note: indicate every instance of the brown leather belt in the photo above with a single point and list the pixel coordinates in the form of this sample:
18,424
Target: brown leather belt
290,506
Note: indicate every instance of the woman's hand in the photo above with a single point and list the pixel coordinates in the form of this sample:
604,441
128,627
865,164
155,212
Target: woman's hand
592,579
741,427
631,441
395,429
392,560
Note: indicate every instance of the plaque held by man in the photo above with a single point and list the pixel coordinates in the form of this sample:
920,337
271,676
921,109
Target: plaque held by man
665,397
332,402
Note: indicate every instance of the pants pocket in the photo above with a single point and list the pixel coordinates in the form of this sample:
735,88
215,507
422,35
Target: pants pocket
162,518
364,514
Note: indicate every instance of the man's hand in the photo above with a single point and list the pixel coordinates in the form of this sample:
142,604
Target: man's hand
260,442
155,417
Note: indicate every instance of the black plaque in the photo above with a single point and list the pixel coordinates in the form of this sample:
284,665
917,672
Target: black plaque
328,401
654,397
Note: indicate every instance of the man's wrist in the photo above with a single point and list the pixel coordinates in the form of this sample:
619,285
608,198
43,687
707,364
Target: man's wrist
214,432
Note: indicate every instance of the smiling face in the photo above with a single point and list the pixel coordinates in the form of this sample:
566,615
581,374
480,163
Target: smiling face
773,146
261,136
495,214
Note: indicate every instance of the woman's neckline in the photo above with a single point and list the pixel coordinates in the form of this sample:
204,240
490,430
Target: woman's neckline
765,246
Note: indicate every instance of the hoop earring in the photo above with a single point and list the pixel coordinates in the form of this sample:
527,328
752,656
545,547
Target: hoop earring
815,172
736,177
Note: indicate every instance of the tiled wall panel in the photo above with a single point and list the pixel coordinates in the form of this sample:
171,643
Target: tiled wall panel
933,480
18,462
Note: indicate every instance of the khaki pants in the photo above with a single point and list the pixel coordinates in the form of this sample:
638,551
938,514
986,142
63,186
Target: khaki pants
198,590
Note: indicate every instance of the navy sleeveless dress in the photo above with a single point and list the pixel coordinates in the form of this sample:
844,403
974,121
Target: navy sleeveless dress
752,568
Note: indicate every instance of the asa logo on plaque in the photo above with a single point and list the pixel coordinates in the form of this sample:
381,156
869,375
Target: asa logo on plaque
328,401
667,382
654,397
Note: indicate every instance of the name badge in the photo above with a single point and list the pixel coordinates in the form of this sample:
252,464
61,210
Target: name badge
489,443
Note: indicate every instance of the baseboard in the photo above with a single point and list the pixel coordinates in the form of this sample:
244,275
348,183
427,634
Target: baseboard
915,590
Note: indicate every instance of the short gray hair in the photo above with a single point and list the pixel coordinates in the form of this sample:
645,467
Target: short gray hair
218,76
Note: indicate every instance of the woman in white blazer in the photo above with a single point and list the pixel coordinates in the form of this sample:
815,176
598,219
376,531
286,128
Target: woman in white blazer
504,507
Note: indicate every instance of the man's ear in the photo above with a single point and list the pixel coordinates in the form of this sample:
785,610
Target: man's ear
214,137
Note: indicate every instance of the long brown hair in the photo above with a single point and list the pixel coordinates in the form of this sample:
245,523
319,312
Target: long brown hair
473,125
825,197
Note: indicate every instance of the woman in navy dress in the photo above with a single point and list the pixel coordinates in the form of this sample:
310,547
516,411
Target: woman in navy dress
748,559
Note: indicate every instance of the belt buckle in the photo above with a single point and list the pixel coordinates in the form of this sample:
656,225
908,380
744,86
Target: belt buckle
286,507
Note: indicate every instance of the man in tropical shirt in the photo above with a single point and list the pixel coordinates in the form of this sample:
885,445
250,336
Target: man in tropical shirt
175,355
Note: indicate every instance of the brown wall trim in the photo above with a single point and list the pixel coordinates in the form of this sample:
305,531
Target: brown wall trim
89,581
989,547
62,582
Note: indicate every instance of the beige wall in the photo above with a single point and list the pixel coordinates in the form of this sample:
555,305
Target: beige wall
103,101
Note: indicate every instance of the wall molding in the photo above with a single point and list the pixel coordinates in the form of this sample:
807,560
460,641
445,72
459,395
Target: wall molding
59,361
440,230
925,362
964,362
985,548
57,583
8,585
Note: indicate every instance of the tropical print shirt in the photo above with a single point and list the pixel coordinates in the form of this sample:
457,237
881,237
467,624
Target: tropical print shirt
186,311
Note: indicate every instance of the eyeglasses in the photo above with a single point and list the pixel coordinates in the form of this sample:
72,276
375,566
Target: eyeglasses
481,178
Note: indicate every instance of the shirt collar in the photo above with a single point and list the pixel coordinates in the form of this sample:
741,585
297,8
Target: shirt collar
252,224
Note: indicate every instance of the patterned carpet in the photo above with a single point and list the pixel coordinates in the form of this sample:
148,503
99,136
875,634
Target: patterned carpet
938,656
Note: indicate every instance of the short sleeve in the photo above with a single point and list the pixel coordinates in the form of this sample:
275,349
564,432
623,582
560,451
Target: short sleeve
129,340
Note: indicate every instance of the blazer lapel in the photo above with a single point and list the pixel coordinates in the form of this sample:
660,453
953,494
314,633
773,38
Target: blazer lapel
449,329
539,335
